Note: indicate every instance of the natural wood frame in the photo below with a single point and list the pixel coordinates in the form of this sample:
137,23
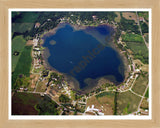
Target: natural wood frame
4,33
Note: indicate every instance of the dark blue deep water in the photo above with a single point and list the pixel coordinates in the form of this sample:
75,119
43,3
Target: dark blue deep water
79,54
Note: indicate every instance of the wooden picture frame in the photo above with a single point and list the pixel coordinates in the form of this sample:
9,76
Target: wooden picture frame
4,62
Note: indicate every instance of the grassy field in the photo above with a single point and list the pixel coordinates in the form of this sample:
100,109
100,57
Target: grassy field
24,63
24,103
139,50
140,84
22,27
127,103
23,66
147,93
25,17
103,101
41,87
18,43
145,15
118,18
146,38
128,37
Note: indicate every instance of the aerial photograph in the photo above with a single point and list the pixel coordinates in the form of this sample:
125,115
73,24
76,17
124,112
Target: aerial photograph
80,63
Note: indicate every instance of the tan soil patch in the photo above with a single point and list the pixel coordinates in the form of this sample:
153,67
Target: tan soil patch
138,62
29,43
145,67
34,79
130,52
130,16
101,104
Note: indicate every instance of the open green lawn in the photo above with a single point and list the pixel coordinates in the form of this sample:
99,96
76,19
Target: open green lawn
18,43
127,103
129,37
139,50
140,84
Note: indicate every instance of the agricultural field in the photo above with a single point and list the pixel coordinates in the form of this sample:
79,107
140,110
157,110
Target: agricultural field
18,45
130,16
23,66
145,104
144,15
25,17
24,103
139,50
33,104
22,27
103,101
33,81
127,103
118,18
147,93
41,87
140,84
128,37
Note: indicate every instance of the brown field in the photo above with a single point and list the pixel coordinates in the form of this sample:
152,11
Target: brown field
127,103
118,18
24,103
145,67
29,43
140,84
129,51
144,104
105,104
138,62
130,16
33,81
41,87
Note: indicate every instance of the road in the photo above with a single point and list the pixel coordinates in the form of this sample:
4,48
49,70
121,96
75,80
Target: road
147,45
143,96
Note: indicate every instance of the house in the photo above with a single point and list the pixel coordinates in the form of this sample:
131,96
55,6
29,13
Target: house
37,25
94,17
141,19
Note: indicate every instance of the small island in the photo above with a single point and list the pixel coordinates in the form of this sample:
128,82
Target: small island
80,63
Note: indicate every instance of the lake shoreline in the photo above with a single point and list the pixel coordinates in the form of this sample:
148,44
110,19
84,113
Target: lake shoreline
73,83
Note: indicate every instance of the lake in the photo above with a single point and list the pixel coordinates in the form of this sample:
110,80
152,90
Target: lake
84,54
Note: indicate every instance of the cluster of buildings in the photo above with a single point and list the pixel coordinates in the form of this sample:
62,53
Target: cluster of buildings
94,111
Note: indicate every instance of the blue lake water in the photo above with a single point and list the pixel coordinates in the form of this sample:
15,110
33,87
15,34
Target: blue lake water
80,53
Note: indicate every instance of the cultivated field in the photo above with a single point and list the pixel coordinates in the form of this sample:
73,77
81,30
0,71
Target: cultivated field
127,102
140,84
103,101
24,103
130,16
18,44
